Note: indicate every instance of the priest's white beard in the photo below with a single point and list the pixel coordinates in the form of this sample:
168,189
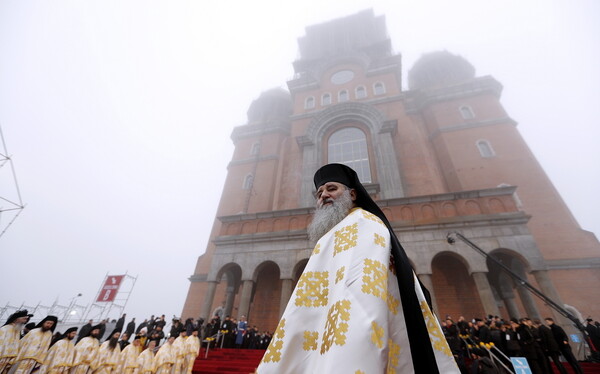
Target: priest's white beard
327,216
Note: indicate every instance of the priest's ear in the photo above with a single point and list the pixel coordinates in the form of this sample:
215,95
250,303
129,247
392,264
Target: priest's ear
353,194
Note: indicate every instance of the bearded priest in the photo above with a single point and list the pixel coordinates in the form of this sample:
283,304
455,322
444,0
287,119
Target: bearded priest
358,306
61,355
128,361
34,347
86,352
10,334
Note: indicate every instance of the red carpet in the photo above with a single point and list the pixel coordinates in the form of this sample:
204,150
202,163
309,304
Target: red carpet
228,361
245,361
588,368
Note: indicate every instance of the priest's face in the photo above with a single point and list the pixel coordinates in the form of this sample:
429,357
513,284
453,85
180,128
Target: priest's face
71,335
330,191
47,325
21,320
334,201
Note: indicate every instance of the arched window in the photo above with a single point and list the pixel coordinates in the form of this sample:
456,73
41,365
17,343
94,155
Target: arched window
326,99
248,181
255,149
378,88
309,103
343,96
348,146
466,112
485,148
361,92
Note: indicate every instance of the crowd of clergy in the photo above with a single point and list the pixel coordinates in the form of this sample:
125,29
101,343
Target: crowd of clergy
41,351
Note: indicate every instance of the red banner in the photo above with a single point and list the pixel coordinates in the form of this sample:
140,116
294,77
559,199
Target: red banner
110,288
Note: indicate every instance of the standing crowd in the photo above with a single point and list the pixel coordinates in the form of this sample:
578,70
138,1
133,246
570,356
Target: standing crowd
25,349
538,342
230,333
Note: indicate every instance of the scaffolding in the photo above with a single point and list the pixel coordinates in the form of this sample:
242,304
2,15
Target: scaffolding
11,204
101,309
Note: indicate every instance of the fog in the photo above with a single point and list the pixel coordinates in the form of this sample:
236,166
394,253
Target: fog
117,117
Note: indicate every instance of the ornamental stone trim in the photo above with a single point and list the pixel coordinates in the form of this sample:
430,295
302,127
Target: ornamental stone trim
198,278
573,263
419,99
472,125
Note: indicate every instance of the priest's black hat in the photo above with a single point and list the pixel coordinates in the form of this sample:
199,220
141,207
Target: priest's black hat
70,330
17,314
48,318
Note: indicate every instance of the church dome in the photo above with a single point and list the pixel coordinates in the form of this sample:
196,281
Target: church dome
438,69
275,103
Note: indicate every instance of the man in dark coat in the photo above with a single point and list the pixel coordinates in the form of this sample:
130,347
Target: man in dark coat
85,330
562,339
141,326
593,333
549,345
483,332
120,323
529,346
511,341
130,328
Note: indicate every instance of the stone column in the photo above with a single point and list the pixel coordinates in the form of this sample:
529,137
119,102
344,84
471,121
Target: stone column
208,300
528,303
229,301
428,283
485,294
511,306
547,288
286,293
247,287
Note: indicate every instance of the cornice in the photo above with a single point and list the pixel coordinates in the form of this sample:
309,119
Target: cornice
419,99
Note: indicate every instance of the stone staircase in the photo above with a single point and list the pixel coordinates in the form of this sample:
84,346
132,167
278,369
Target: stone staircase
228,361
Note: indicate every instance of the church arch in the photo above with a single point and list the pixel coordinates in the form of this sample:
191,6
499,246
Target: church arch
266,295
384,163
455,290
515,300
229,277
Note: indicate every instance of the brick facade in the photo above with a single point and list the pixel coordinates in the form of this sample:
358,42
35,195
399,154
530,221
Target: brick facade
444,156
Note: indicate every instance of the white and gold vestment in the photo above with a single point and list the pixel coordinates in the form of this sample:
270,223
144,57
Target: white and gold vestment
86,352
60,358
345,314
165,359
32,351
192,348
145,362
128,361
107,359
9,345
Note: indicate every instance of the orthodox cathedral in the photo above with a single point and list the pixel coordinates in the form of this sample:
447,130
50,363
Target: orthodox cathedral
442,156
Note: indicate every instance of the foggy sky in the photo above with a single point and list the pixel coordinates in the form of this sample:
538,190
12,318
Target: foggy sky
117,116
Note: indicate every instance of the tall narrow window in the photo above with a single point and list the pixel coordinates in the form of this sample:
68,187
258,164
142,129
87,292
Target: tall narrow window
343,96
309,103
466,112
348,146
361,92
378,88
255,149
248,181
326,99
485,148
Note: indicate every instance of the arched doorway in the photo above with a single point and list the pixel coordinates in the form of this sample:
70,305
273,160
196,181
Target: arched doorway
229,278
266,298
455,291
517,301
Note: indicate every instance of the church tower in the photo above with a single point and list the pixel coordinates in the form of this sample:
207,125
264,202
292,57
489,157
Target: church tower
441,156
